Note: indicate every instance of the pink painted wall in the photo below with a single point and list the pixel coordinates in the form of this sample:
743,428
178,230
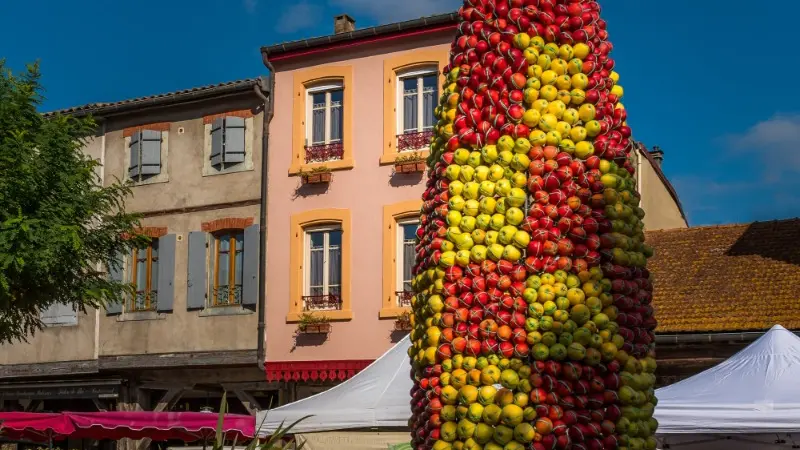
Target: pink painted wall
364,190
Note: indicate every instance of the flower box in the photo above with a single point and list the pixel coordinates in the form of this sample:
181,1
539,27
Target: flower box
402,325
317,178
409,167
316,328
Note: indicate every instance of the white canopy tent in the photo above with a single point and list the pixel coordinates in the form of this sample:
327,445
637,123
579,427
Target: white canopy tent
376,397
749,401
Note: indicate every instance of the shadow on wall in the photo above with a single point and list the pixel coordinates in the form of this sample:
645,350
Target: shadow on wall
778,241
309,189
397,179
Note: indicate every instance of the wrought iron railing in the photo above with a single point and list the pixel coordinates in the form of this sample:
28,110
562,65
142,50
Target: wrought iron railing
144,301
404,298
227,295
324,152
414,141
321,302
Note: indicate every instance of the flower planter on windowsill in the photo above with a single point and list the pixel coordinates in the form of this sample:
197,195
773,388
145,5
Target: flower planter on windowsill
317,178
402,325
317,328
410,167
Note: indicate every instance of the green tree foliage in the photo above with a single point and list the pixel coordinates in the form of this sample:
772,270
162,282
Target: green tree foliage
58,223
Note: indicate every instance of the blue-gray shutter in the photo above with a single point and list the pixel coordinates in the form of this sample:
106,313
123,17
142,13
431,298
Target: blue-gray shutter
216,141
166,273
151,152
234,140
197,280
116,271
135,147
250,267
59,314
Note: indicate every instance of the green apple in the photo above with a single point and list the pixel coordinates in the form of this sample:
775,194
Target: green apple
521,239
467,224
452,232
505,143
478,253
467,174
503,434
519,179
520,162
481,173
570,116
491,237
453,218
471,208
447,246
456,203
483,220
577,134
496,172
533,282
511,253
495,252
504,158
506,234
488,205
448,259
530,295
522,145
460,156
593,128
502,206
609,180
474,159
475,412
478,235
489,153
514,216
462,257
463,241
452,172
605,166
471,190
584,149
531,117
498,221
503,187
516,197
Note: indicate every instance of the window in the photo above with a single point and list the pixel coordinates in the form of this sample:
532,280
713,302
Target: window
418,96
324,121
59,314
143,273
406,257
145,155
227,265
227,142
323,277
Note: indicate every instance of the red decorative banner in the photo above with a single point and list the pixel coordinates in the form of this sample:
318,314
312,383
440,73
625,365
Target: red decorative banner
314,370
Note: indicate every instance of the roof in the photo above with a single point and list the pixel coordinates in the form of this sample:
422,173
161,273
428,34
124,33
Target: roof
364,35
211,90
727,277
663,177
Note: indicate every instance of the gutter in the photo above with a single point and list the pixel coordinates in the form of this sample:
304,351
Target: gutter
269,113
706,338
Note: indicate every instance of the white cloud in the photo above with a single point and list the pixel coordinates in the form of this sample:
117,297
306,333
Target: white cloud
298,16
250,5
775,142
388,11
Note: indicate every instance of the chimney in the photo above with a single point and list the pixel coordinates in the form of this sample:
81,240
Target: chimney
657,154
343,24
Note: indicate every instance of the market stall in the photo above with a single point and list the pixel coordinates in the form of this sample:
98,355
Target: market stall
368,411
750,401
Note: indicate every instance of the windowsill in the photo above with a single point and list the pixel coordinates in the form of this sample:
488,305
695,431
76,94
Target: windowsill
393,313
339,164
233,310
339,314
246,166
391,157
139,316
60,325
157,179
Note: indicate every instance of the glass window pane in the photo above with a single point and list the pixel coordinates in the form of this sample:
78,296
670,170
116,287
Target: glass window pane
410,85
335,238
239,262
141,270
318,100
430,82
317,239
223,260
318,126
336,124
410,106
337,97
410,231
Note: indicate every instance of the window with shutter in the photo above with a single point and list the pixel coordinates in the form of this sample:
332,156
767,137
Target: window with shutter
227,266
145,155
228,142
418,95
59,314
324,123
143,274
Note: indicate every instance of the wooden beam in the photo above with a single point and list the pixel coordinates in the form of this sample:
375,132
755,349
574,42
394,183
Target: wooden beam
53,369
33,405
98,405
164,360
250,403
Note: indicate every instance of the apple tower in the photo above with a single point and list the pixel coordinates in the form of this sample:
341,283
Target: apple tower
532,317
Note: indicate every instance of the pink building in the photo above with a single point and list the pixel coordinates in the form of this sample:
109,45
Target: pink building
353,113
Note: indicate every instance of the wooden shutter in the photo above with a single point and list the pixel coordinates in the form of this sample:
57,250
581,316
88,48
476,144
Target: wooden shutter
60,314
250,269
166,273
135,150
116,271
216,141
197,283
234,140
150,147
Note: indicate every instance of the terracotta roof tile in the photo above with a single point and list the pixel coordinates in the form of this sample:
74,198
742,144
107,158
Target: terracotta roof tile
727,278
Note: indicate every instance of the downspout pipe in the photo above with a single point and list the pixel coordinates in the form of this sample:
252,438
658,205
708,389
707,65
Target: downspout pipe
700,338
269,112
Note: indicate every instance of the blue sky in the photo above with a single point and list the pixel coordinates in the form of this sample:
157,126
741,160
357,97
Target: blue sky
709,82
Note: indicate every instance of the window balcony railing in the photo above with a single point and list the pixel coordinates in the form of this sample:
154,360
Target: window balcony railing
227,295
324,152
322,302
404,298
144,301
414,141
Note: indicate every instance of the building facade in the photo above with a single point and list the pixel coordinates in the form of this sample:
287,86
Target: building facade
354,111
191,331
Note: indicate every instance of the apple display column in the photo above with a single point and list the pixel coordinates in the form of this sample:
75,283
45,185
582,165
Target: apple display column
532,317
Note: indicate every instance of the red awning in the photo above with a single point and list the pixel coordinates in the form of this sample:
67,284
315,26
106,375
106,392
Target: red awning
186,426
36,427
314,370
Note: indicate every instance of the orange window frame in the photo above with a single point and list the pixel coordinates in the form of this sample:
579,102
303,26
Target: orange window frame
148,277
231,235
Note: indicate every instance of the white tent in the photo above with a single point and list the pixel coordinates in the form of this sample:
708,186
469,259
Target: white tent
376,397
750,401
